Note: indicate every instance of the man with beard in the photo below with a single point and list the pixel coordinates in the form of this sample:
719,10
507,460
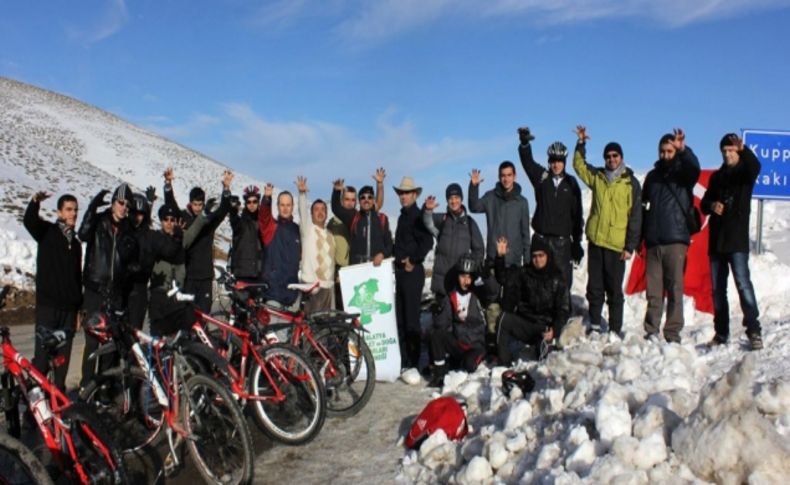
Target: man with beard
541,300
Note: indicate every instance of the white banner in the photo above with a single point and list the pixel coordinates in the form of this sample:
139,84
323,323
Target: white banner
370,291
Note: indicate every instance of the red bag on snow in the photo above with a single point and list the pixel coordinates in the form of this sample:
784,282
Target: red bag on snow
441,413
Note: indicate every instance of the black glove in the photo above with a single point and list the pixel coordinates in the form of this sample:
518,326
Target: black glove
98,199
150,193
235,202
524,135
577,253
211,204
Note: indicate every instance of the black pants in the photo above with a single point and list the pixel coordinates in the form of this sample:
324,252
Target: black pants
408,297
605,278
462,355
93,301
202,290
514,327
52,319
138,304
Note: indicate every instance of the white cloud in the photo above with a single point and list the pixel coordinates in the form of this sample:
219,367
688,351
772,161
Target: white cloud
107,23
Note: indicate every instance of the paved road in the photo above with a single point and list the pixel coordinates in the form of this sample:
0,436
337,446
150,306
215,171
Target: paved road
359,450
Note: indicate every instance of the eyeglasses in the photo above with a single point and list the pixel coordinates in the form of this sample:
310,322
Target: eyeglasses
252,201
366,197
169,219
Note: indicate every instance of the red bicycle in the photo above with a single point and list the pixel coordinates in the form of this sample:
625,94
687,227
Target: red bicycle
70,431
332,341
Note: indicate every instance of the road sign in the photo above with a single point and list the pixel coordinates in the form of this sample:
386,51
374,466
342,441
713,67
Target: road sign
773,150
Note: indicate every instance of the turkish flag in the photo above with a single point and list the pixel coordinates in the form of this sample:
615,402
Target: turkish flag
696,281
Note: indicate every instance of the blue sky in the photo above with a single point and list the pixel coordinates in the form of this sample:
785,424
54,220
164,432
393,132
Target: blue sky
428,88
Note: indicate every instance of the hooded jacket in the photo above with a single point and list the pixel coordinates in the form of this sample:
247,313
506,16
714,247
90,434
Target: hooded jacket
558,210
615,220
732,186
667,196
507,215
455,235
537,295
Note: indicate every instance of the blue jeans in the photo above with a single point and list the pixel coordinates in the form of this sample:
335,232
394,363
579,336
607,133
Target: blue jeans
720,265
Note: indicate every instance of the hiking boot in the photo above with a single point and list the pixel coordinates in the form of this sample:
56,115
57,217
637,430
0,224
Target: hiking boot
756,341
716,341
437,376
672,339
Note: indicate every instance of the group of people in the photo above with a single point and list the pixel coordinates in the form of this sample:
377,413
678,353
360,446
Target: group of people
512,287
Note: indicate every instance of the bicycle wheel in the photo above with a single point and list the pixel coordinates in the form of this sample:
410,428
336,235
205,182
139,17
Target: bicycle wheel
219,441
298,414
94,458
125,398
347,366
18,465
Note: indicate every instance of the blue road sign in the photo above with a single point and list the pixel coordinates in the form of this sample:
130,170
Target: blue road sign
773,150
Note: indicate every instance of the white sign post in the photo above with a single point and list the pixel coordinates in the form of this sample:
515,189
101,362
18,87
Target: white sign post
370,291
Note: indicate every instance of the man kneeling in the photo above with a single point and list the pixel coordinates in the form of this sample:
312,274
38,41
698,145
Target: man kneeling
459,326
534,302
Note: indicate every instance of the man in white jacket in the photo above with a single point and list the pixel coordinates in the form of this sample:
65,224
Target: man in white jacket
318,251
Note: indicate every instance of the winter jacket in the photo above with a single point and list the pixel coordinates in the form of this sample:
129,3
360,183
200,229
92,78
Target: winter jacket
615,220
540,296
732,186
282,249
246,253
153,245
455,235
341,235
200,255
58,263
667,196
470,331
558,210
507,215
110,249
412,239
170,266
364,244
318,248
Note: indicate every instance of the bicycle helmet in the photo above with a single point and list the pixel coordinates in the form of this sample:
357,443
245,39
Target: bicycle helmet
140,204
252,190
557,151
467,264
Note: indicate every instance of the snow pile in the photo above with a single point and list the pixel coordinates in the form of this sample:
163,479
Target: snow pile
611,410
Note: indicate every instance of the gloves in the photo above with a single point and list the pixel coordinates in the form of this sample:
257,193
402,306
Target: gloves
577,253
98,200
150,193
524,135
211,204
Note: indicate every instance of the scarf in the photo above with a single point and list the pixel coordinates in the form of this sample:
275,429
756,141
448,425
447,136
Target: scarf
612,175
67,230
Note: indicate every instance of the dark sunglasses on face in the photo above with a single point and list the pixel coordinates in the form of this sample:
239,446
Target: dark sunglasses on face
252,201
169,219
366,197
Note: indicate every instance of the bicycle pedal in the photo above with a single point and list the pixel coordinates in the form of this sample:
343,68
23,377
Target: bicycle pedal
170,465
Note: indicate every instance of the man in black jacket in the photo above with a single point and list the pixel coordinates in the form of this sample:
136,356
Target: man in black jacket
140,218
369,230
558,213
110,250
58,278
412,244
246,254
459,327
667,198
728,201
200,256
540,300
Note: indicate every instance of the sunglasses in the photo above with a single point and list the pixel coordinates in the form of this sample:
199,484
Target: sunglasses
169,219
252,201
366,197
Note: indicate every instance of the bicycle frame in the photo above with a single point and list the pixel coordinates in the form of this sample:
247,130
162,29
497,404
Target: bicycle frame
54,430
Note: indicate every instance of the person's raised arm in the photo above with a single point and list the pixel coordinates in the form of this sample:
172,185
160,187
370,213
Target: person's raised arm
32,222
583,170
476,205
170,198
533,170
428,215
305,221
345,215
216,217
90,219
266,226
379,177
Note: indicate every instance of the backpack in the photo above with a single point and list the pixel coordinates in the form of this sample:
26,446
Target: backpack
358,216
443,413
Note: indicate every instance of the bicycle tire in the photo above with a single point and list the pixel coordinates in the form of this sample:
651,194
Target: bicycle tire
300,416
220,442
18,465
140,421
347,394
82,422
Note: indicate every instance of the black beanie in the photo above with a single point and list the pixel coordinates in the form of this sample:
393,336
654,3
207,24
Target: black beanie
613,146
667,138
367,189
168,210
197,194
728,140
539,244
454,189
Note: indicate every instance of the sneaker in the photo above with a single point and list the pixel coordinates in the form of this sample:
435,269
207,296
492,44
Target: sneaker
437,376
756,341
716,341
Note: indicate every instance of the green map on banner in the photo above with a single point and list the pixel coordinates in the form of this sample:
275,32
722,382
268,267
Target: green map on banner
365,299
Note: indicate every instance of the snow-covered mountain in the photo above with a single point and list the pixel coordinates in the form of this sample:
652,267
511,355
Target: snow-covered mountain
59,144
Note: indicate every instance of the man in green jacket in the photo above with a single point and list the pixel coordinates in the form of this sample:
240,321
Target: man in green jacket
613,228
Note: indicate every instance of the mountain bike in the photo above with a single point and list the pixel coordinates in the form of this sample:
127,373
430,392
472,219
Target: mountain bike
71,431
156,387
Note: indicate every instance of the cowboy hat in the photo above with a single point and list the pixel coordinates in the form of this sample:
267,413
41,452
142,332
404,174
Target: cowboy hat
407,185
